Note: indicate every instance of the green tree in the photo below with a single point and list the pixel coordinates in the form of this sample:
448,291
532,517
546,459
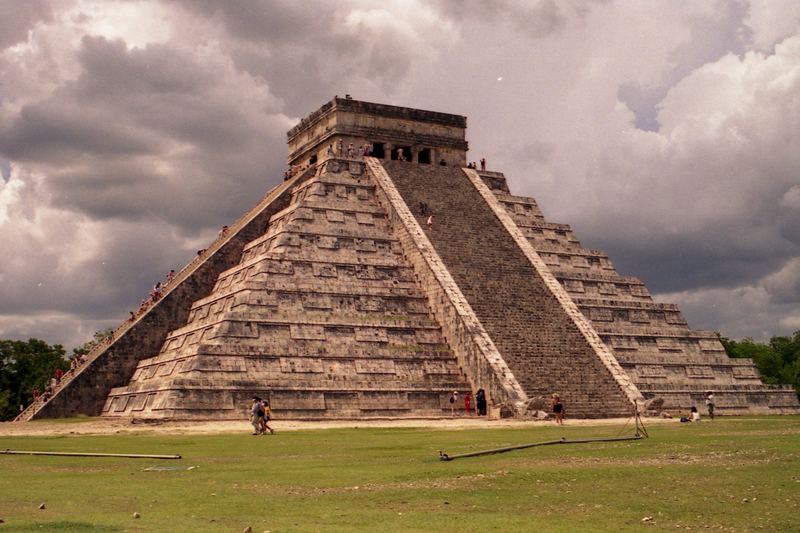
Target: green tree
778,361
25,365
97,338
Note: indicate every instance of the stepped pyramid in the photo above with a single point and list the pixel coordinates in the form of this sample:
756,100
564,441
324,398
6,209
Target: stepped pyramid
334,298
321,315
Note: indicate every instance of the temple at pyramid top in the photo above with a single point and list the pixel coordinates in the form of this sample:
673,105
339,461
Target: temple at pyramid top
389,132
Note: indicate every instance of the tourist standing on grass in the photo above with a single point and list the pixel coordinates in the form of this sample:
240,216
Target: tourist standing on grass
710,404
257,416
267,417
480,402
557,406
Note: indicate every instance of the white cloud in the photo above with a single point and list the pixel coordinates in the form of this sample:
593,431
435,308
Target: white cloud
771,21
136,23
784,285
791,198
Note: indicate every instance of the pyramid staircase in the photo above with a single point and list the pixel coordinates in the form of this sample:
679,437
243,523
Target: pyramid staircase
651,341
536,336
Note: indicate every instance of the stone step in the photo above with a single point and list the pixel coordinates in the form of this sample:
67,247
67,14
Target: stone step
526,323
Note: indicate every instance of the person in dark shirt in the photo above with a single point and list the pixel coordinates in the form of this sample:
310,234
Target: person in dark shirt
480,402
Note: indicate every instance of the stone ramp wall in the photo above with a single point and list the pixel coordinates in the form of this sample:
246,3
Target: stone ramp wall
538,339
85,391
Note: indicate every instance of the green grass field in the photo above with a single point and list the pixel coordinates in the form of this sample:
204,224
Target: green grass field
733,474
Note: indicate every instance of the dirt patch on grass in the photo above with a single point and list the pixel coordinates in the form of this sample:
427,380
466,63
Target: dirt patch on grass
109,426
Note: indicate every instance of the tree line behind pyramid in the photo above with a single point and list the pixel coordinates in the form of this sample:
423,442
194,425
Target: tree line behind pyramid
384,274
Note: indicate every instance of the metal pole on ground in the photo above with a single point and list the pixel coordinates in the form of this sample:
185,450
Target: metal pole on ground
445,457
640,433
88,454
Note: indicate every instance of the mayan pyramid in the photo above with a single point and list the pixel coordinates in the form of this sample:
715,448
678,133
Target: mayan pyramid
334,298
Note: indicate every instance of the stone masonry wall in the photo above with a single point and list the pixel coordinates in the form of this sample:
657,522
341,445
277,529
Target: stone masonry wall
86,392
321,315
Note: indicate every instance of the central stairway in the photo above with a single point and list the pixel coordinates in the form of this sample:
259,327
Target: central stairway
538,340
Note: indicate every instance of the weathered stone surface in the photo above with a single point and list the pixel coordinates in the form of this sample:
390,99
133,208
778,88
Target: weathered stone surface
539,332
651,341
333,299
475,350
440,135
654,404
112,365
315,344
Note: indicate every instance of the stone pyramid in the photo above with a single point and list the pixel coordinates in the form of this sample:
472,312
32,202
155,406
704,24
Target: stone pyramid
335,298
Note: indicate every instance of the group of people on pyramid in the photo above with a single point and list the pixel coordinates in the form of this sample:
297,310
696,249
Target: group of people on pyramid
475,165
155,294
351,151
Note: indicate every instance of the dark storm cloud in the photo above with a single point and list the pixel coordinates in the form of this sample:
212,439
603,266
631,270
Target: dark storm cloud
311,51
534,19
784,285
277,21
289,43
62,129
5,169
18,17
677,263
103,135
134,130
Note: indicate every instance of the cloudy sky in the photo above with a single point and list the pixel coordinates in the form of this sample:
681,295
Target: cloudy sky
666,132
